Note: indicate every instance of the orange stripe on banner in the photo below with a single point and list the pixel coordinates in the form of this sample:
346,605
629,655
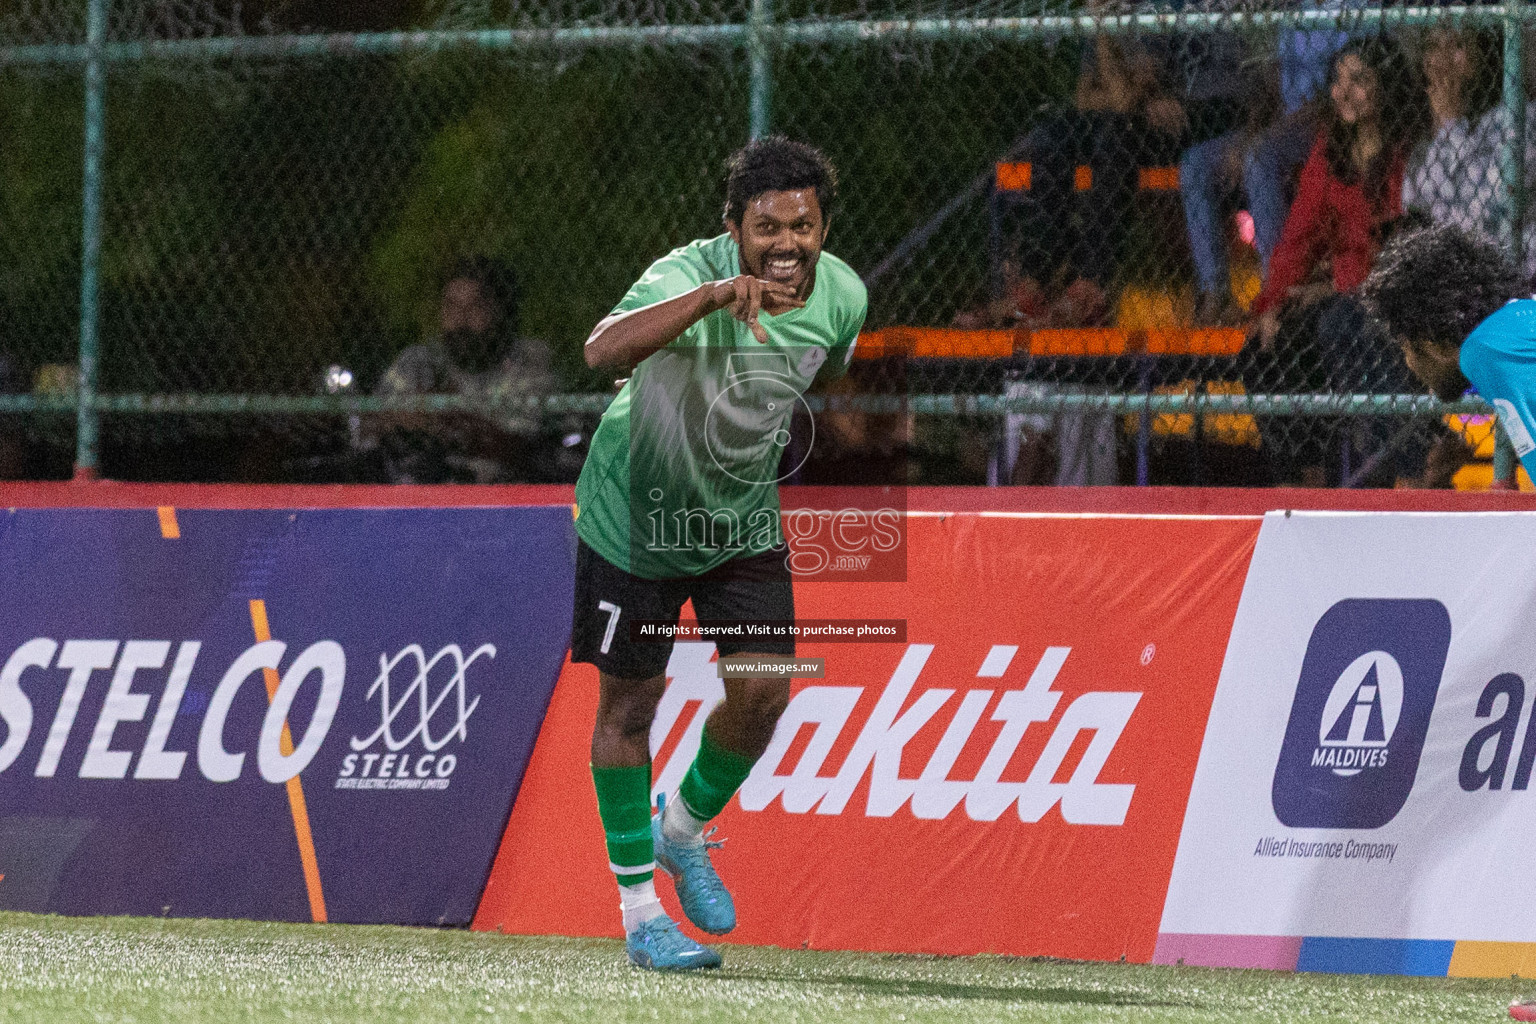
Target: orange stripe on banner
1082,178
1492,960
296,802
169,528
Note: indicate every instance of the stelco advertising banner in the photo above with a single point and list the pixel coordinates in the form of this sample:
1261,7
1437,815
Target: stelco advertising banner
1363,800
1010,776
316,715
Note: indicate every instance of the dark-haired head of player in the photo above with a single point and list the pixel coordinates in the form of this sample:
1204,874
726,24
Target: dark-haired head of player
778,201
1430,288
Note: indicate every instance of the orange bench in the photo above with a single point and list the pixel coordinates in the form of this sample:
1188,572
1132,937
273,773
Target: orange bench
957,343
1019,176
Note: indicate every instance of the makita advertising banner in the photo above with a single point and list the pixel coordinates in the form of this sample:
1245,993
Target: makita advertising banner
1363,800
1010,777
296,715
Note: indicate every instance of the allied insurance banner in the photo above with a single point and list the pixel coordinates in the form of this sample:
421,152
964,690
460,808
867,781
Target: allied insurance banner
1363,800
300,715
1009,777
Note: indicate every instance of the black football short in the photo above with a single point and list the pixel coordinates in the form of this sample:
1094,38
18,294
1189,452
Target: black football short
753,588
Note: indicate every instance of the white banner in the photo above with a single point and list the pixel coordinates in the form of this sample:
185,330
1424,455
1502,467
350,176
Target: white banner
1366,769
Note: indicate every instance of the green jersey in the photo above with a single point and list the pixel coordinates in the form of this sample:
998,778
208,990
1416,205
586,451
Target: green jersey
683,470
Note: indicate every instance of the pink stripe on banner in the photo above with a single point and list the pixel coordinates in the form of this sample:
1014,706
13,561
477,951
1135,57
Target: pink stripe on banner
1275,953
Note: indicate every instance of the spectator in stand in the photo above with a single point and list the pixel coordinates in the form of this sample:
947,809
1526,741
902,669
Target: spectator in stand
1456,175
1123,116
1310,322
13,446
1264,154
478,353
1350,193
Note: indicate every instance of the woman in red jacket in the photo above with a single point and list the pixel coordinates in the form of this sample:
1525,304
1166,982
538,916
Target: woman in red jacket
1312,333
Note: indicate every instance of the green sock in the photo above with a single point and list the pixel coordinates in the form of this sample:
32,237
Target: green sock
713,778
624,804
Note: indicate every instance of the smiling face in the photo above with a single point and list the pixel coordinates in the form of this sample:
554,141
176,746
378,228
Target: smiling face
1354,91
780,235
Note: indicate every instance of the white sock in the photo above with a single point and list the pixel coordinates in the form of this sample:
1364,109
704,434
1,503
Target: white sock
680,826
638,904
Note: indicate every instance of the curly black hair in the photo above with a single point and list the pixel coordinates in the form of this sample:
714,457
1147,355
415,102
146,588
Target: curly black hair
776,164
1435,284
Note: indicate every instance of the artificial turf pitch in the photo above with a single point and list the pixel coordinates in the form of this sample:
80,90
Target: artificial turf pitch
121,970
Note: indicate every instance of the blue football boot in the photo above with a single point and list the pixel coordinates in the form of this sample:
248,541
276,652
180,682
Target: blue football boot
700,891
657,945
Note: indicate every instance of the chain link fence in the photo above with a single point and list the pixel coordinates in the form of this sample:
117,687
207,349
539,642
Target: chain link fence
1103,244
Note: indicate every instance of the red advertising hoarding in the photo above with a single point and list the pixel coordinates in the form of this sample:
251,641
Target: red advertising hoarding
1009,778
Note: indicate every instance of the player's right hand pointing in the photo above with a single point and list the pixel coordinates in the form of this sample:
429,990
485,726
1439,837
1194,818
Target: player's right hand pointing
746,296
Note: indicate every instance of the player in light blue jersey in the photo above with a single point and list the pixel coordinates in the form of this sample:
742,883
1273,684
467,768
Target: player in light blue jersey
1462,313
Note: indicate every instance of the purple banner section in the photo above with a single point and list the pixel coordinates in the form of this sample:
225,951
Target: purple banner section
286,715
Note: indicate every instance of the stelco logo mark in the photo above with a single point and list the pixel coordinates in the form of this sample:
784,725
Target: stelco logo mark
433,719
1361,713
396,770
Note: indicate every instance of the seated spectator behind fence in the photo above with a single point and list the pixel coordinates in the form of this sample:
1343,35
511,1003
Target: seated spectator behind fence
1456,175
477,353
1263,156
1123,117
1312,334
13,446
